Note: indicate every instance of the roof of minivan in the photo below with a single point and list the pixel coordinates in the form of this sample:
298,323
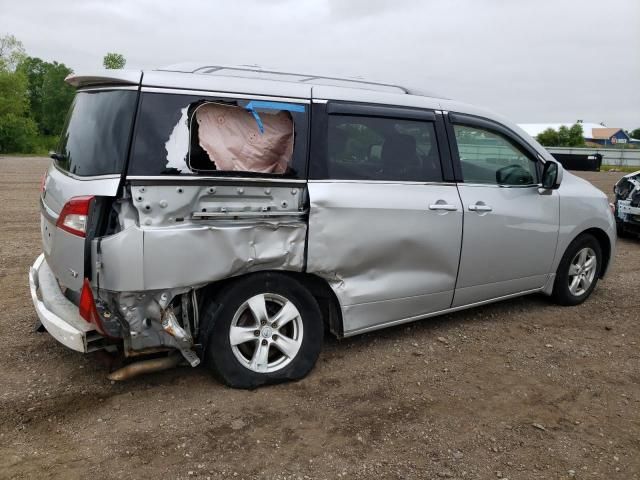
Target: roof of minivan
196,74
253,80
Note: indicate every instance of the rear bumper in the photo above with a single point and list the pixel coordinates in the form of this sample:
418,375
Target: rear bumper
57,313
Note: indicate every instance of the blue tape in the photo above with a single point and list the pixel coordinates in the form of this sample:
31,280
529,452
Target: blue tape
254,105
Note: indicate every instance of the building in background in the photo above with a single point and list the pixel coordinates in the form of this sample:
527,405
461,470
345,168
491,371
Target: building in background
593,132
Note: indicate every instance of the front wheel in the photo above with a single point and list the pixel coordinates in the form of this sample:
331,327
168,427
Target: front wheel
578,271
265,328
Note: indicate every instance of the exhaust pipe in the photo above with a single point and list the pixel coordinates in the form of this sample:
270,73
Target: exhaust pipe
145,366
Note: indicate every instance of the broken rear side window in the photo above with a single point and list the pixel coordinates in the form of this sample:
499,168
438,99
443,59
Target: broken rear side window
192,135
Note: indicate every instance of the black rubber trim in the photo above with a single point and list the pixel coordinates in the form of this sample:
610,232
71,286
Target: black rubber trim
366,109
134,122
446,160
318,153
453,147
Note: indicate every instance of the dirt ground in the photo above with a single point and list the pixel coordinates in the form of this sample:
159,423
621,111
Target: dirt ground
522,389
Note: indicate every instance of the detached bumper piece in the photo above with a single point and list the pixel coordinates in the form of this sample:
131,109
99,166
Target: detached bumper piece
58,314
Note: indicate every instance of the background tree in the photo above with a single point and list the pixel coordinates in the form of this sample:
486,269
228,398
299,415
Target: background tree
18,132
114,60
49,96
11,52
548,138
34,99
576,136
635,133
563,137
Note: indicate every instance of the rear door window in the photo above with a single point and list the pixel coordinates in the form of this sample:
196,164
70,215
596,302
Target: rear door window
377,148
194,135
95,138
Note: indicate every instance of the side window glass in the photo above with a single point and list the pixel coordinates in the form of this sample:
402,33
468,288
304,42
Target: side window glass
374,148
191,135
488,157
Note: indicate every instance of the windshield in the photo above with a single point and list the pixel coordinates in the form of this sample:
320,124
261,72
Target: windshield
96,134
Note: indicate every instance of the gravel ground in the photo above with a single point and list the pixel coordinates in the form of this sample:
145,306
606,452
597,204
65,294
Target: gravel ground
522,389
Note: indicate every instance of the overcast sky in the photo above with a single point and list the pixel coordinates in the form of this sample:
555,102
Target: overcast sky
534,61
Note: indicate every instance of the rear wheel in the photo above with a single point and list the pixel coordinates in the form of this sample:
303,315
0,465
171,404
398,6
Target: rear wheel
578,271
265,328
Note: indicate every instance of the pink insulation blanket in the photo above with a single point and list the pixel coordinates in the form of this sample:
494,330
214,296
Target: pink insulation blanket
233,141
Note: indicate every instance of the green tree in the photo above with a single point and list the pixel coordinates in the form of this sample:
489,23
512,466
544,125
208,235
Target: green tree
18,132
11,52
56,98
576,136
548,138
49,96
635,133
563,137
114,60
34,70
13,93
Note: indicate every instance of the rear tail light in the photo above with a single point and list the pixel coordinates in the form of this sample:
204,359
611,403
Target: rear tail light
87,307
75,214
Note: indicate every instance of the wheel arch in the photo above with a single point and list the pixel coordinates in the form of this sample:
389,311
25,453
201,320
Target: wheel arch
605,245
317,286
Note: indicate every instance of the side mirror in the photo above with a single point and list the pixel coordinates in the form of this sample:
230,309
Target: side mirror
551,175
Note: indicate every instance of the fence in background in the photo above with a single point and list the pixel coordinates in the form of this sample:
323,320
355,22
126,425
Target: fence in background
610,156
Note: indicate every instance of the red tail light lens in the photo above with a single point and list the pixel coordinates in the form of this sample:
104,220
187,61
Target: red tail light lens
87,307
75,214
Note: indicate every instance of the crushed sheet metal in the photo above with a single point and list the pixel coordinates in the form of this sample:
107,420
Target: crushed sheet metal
202,254
627,191
121,262
402,271
191,255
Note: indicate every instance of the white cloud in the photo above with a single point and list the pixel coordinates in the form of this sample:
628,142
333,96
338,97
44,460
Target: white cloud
532,61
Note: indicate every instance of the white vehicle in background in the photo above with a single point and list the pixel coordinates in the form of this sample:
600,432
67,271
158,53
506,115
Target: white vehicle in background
627,206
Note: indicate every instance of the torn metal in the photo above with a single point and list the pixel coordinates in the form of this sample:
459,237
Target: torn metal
627,205
176,239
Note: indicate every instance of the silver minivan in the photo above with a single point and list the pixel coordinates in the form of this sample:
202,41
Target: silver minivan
233,215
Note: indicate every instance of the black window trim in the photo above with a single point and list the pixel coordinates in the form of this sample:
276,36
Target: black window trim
454,118
318,153
219,175
383,111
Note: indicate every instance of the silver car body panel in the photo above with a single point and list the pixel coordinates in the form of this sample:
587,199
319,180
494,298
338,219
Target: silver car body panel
506,249
626,212
386,255
105,77
583,207
194,234
56,313
62,249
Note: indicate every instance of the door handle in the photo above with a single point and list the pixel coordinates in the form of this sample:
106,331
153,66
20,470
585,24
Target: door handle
480,207
443,206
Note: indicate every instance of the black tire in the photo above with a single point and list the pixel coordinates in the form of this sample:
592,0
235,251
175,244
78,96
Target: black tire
219,355
561,292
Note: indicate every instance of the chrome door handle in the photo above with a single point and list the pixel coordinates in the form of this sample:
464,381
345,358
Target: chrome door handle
443,206
480,207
